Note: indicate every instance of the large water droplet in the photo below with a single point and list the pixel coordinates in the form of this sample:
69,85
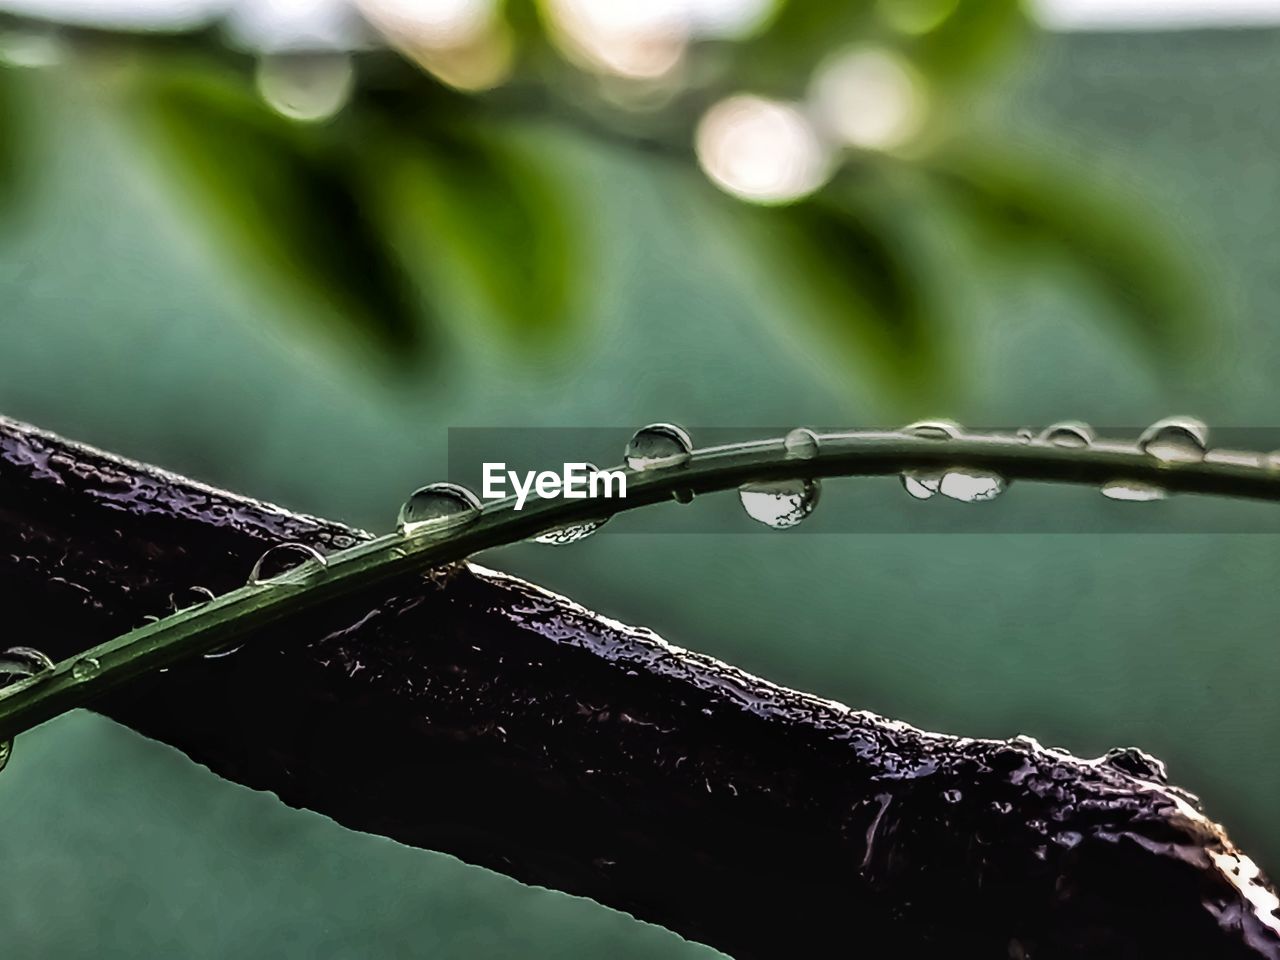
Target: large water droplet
438,506
85,667
934,429
780,503
659,445
306,86
1175,440
1133,491
801,444
1137,763
278,561
971,486
16,664
921,484
1067,433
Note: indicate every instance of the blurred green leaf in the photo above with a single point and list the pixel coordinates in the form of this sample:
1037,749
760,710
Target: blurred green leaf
781,58
479,204
867,295
970,37
282,199
1124,249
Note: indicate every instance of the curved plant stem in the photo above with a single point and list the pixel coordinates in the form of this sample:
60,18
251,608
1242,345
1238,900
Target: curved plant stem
229,619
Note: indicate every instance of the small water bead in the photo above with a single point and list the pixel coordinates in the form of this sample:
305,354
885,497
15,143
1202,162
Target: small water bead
437,506
1025,434
1175,440
934,429
574,531
1067,433
921,484
278,561
189,598
659,445
1133,491
84,668
971,486
570,534
801,444
779,504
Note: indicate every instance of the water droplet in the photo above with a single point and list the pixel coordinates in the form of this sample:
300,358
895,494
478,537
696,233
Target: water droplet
1025,434
278,561
437,506
801,444
1067,433
16,664
952,796
659,445
921,484
306,86
84,668
570,534
934,429
971,486
1137,763
779,503
189,598
1133,491
1175,440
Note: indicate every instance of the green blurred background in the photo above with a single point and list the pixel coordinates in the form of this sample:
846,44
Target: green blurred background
118,327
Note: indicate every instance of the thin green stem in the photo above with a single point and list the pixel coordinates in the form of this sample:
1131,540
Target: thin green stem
231,618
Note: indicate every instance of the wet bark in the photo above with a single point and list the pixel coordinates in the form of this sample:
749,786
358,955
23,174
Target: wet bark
482,716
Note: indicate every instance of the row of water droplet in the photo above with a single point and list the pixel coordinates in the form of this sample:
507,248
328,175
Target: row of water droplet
778,504
785,503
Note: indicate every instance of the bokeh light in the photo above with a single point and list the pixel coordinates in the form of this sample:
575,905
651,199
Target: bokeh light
465,43
869,98
762,150
639,39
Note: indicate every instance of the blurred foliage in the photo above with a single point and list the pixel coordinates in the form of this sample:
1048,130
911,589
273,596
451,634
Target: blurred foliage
367,215
288,204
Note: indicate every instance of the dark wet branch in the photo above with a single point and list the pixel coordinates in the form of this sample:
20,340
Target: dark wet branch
485,717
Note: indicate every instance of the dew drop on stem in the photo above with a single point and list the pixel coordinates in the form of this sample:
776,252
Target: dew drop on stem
573,532
801,444
921,484
1067,433
437,506
1175,440
1133,491
779,504
971,486
659,445
282,559
570,534
934,429
17,664
84,668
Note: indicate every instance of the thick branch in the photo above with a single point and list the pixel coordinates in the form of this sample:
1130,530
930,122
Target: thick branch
492,720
